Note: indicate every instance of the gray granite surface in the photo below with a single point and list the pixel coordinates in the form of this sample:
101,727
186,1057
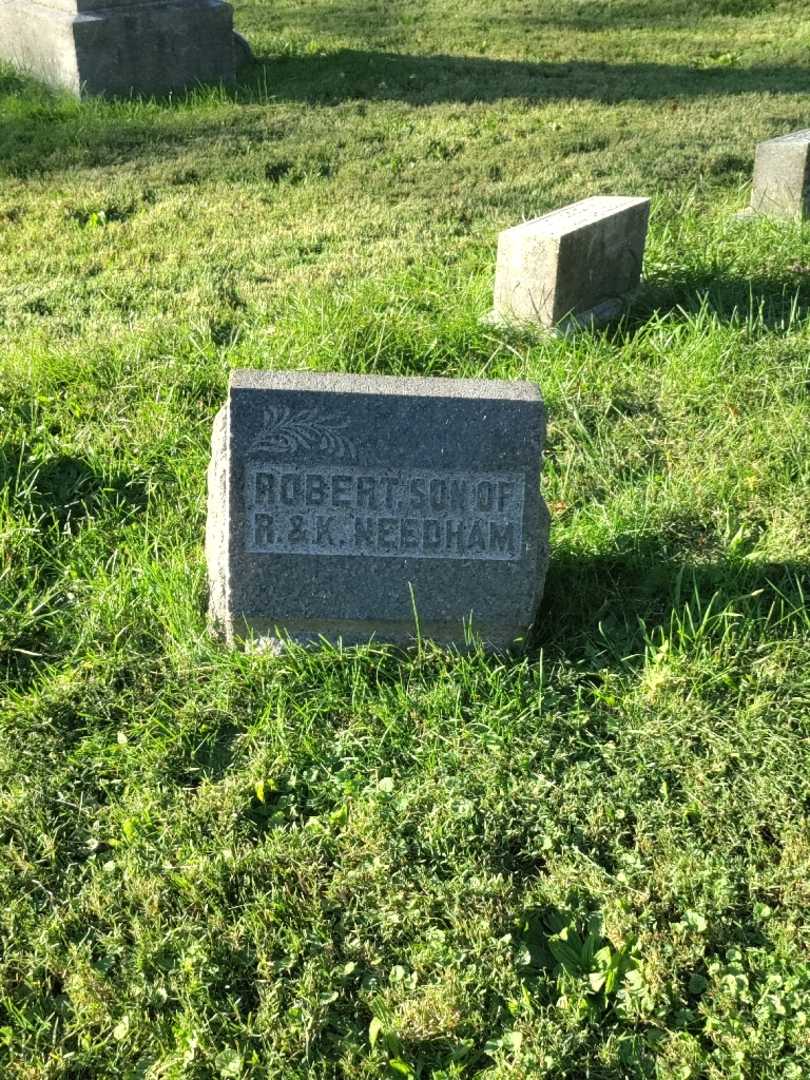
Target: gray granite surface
572,267
339,504
120,46
781,186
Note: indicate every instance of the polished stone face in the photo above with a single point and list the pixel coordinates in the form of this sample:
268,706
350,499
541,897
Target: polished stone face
781,186
340,504
568,263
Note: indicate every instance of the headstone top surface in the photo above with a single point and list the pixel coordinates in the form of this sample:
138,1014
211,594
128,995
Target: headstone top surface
569,219
793,137
393,385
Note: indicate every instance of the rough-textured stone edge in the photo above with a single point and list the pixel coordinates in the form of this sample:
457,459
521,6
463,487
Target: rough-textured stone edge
216,527
749,214
491,639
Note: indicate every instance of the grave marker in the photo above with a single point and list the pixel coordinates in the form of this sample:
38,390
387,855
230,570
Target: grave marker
573,267
337,503
120,46
781,186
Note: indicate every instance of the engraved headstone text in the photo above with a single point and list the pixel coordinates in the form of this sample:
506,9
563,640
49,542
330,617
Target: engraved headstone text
393,513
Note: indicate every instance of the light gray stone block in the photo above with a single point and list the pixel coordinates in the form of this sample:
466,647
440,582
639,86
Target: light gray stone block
781,187
338,504
120,46
573,267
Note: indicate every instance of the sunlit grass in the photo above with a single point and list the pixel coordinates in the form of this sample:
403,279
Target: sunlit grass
589,860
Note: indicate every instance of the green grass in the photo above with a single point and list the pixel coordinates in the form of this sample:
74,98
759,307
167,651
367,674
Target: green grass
589,861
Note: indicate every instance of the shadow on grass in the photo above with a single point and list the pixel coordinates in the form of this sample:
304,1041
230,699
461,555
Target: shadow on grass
775,301
41,131
68,487
612,603
55,495
359,75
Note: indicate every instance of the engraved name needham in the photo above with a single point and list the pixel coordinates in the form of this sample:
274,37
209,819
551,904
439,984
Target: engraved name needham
348,510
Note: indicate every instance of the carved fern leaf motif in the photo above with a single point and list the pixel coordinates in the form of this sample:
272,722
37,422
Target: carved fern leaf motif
286,431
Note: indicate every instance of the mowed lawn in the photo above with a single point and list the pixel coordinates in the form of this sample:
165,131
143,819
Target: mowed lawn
588,860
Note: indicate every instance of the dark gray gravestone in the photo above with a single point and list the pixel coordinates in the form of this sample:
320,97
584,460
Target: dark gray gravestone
571,268
120,46
339,504
781,186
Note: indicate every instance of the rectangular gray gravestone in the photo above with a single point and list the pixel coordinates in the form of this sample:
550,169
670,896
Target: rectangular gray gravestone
119,46
338,504
571,268
781,186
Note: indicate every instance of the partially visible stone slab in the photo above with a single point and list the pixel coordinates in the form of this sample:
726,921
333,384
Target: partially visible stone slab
338,503
120,46
781,187
571,268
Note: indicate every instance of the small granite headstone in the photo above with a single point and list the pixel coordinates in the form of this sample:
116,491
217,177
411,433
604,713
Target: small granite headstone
341,506
120,46
781,186
571,268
